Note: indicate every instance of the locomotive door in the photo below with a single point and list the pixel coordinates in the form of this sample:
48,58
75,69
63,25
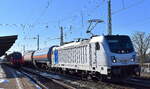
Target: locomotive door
93,56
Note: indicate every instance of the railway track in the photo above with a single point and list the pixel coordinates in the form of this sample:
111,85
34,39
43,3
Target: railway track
43,79
132,83
41,86
144,84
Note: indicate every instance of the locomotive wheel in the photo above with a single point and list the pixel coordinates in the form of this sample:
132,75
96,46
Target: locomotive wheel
102,78
89,77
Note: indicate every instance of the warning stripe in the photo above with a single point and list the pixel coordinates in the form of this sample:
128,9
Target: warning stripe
41,56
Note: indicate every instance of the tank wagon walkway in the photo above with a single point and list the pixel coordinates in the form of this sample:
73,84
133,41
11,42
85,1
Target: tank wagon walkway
11,79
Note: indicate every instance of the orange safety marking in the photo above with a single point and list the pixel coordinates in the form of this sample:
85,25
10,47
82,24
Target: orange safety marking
41,56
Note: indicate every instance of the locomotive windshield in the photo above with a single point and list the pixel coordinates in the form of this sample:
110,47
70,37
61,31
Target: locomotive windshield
119,44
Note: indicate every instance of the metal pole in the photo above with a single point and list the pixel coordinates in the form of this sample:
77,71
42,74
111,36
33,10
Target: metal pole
23,49
61,36
109,18
38,42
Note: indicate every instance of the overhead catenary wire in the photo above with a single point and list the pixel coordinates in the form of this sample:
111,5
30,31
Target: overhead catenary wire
123,4
140,23
125,8
43,12
80,13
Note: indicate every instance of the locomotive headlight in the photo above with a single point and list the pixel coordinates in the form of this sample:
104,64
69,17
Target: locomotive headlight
133,58
113,59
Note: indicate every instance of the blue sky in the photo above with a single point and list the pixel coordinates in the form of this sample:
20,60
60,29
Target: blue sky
44,17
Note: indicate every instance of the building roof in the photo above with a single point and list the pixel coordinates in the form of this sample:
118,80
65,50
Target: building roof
6,42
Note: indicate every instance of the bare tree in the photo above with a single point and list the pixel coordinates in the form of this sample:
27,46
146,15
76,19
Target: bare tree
141,42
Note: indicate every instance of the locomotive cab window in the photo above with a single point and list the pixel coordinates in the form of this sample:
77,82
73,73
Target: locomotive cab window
97,46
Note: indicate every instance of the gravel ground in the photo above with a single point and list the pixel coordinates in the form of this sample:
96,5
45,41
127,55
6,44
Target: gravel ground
145,75
49,83
96,85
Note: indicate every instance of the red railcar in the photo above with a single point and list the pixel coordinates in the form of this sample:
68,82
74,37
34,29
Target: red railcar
15,59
